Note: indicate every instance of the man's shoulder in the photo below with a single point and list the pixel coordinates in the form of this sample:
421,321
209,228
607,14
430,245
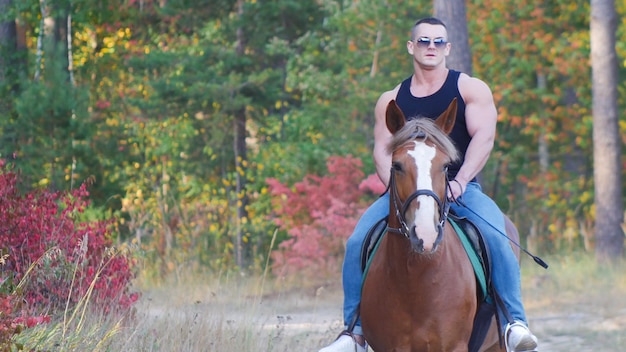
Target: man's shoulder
465,77
472,86
390,94
384,99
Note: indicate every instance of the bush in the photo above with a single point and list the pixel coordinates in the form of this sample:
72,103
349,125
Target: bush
319,214
53,259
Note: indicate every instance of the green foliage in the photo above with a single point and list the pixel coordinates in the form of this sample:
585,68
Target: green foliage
536,62
150,119
46,130
50,133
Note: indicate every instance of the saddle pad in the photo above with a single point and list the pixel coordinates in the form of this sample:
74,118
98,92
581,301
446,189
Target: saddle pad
473,257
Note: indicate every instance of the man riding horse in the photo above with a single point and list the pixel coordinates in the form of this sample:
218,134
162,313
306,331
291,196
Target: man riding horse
427,93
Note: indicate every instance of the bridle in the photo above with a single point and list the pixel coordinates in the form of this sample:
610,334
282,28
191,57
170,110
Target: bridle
401,208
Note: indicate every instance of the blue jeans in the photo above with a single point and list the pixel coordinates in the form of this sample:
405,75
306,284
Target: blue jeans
505,267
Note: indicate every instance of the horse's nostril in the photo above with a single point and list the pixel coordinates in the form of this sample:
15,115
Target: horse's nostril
417,244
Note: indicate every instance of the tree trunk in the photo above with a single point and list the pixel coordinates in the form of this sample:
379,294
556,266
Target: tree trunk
454,14
543,150
8,40
606,140
240,162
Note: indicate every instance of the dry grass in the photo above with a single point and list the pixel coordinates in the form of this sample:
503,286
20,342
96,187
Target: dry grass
227,314
576,304
572,306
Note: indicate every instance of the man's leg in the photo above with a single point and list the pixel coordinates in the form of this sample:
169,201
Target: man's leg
352,273
505,266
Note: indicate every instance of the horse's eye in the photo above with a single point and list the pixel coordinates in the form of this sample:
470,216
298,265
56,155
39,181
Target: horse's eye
397,166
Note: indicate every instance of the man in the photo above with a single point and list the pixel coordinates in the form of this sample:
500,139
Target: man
427,93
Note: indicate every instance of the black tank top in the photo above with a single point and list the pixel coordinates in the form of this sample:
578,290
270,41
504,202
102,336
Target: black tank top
434,105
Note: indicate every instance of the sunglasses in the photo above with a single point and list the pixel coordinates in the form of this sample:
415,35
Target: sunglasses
424,42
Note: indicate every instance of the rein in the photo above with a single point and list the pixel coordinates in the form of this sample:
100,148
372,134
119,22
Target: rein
401,208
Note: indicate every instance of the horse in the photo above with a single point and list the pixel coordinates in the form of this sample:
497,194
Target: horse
420,291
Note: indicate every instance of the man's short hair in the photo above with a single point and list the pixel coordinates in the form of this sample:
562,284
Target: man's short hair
430,20
427,20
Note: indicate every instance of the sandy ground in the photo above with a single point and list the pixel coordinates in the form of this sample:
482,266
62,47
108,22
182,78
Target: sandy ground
577,327
576,314
305,320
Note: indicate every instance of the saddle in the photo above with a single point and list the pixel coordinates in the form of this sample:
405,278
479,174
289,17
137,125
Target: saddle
479,256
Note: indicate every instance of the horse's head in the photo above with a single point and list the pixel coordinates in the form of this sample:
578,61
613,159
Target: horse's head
421,151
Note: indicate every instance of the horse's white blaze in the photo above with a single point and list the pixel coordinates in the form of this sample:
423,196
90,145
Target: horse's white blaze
425,215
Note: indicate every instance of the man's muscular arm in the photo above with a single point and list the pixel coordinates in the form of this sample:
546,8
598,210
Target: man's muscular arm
481,117
382,159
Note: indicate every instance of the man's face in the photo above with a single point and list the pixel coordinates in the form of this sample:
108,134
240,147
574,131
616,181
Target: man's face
429,46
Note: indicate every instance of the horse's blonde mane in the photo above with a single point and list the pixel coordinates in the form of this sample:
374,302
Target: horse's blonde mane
431,131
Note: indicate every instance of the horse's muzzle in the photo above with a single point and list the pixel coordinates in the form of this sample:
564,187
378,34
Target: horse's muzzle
417,244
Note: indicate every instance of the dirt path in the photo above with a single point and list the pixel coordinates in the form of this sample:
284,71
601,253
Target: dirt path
595,324
582,313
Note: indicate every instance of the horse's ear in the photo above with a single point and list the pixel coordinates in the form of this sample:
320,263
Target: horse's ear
446,120
395,117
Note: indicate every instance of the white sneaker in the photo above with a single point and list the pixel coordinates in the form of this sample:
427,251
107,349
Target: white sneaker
519,338
344,343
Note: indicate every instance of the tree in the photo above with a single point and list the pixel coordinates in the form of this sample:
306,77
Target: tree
541,123
609,213
39,118
224,79
241,158
454,14
12,64
8,36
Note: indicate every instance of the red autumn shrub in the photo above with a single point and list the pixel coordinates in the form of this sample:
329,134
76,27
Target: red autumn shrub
11,324
8,326
318,214
55,257
373,184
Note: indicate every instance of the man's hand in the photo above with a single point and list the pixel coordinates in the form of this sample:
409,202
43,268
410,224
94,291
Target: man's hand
456,189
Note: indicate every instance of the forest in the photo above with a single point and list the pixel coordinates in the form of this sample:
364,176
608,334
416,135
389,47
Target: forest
236,135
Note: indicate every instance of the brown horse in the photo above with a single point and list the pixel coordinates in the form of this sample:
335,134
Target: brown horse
420,290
